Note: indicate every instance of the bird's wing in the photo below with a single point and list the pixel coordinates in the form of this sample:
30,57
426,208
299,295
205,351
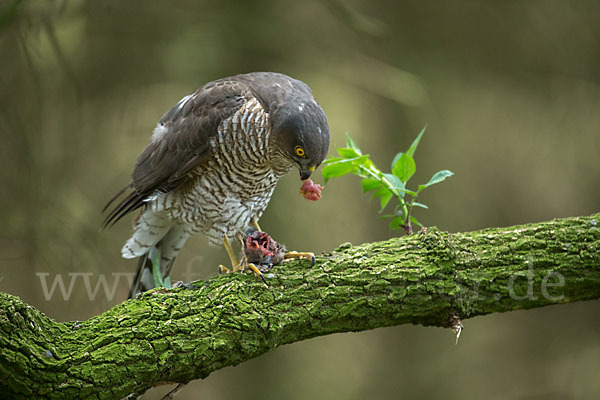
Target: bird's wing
180,143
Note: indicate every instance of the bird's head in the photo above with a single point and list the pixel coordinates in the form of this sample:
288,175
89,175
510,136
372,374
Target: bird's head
302,134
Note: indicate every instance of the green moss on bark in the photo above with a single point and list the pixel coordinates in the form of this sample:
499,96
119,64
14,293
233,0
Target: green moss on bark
184,334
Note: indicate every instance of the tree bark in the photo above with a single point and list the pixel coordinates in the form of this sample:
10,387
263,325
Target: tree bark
429,278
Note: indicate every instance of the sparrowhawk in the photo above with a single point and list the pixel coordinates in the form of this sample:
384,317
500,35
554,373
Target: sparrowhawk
213,163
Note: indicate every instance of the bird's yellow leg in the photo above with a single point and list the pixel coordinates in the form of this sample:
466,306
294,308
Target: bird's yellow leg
290,255
255,224
232,257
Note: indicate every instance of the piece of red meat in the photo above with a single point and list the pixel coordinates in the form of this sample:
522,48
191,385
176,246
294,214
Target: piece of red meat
310,190
262,251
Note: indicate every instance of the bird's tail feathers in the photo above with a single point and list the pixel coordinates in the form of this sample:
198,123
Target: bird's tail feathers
138,282
158,257
152,271
132,201
150,229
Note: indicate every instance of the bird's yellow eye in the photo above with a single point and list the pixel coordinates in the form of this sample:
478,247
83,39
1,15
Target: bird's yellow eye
299,151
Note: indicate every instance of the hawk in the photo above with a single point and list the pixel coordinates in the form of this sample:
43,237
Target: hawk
212,166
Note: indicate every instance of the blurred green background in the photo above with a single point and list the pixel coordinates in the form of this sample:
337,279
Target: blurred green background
511,93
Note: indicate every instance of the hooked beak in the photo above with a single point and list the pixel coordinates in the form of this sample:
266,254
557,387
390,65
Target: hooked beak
305,172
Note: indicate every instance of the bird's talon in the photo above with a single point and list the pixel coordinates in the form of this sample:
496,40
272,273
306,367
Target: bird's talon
257,272
223,269
290,255
241,267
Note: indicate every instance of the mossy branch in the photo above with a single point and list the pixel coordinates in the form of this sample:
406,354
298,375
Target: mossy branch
431,278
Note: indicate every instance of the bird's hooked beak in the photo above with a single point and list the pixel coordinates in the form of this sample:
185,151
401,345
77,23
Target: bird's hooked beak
305,172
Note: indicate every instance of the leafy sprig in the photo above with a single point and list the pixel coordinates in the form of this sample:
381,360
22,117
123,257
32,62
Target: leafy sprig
386,186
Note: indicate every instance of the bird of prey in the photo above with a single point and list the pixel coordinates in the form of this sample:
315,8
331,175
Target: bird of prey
213,163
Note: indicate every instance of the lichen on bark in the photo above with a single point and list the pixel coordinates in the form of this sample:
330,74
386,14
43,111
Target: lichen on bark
430,278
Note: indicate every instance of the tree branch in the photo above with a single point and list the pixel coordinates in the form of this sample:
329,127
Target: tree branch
431,278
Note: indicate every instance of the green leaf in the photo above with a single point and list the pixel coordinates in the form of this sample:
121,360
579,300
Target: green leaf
385,196
404,168
332,160
156,274
385,199
348,152
364,164
395,181
437,178
369,184
337,169
167,282
342,167
419,205
351,144
396,223
380,192
414,221
413,147
395,160
368,164
407,191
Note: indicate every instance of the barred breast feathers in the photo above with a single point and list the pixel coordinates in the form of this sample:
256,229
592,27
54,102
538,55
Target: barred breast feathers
236,183
242,157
